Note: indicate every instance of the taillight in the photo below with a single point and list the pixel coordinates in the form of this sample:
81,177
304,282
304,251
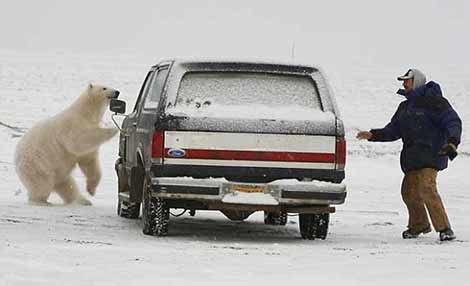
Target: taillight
340,153
158,147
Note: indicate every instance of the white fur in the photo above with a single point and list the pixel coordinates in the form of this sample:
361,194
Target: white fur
50,150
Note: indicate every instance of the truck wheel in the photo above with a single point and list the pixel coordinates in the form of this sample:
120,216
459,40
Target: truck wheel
307,226
314,225
155,213
128,209
322,221
275,218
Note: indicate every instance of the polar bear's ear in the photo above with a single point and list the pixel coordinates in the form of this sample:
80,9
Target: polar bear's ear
90,86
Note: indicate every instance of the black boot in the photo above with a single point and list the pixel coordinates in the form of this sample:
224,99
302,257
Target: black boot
414,234
447,234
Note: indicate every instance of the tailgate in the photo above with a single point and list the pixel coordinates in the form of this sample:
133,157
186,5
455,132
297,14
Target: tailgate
250,156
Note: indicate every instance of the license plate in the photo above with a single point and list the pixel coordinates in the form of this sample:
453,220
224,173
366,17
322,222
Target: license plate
247,188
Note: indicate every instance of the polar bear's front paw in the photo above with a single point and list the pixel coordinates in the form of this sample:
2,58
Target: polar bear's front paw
112,131
107,124
115,131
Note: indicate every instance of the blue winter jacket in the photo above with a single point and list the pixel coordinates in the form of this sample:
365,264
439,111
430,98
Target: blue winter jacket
425,121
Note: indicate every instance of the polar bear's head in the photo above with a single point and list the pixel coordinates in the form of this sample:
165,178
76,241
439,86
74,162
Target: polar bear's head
95,99
101,94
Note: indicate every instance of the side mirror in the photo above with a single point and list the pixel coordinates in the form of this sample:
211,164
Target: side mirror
117,106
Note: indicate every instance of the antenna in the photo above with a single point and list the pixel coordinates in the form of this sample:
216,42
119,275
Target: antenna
293,50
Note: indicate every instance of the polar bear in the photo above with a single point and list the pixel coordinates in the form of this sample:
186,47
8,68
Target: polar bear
50,150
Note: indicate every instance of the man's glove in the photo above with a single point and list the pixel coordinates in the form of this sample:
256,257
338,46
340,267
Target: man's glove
449,149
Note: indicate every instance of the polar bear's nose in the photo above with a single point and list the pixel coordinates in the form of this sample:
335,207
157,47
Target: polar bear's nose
115,94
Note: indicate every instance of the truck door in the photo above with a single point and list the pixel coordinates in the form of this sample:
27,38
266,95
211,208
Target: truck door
130,124
148,115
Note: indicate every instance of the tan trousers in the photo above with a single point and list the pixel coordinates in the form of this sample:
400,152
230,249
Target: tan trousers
419,192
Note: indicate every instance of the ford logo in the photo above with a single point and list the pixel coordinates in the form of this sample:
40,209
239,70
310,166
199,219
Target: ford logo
176,153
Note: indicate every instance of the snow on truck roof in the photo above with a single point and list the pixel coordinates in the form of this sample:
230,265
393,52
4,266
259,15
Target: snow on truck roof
258,64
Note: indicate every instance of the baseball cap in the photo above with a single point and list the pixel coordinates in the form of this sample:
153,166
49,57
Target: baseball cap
409,74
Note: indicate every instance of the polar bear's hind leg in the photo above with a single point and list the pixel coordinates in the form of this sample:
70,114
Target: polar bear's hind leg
38,192
68,191
38,183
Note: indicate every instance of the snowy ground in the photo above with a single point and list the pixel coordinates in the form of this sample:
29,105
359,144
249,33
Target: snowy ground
77,245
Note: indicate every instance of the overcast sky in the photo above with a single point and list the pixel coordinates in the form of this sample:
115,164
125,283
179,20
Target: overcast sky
371,31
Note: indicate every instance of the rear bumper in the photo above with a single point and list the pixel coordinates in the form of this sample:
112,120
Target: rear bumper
253,174
276,193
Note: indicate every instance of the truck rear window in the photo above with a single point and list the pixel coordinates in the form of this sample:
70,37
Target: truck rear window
243,94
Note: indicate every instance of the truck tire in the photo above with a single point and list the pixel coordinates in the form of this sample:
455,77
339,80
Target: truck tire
275,218
314,225
155,213
322,221
307,227
128,209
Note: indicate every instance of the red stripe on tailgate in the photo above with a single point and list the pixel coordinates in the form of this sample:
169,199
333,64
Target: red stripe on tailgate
257,156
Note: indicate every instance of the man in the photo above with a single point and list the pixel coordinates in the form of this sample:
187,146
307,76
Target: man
430,130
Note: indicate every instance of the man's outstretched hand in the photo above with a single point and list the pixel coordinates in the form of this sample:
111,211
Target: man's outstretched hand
364,135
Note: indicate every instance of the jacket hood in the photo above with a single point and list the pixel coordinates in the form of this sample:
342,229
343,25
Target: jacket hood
419,79
429,89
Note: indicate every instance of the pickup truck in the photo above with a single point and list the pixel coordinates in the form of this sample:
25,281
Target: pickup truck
232,136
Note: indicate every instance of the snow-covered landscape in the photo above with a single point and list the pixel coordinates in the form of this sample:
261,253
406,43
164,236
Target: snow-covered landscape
92,245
